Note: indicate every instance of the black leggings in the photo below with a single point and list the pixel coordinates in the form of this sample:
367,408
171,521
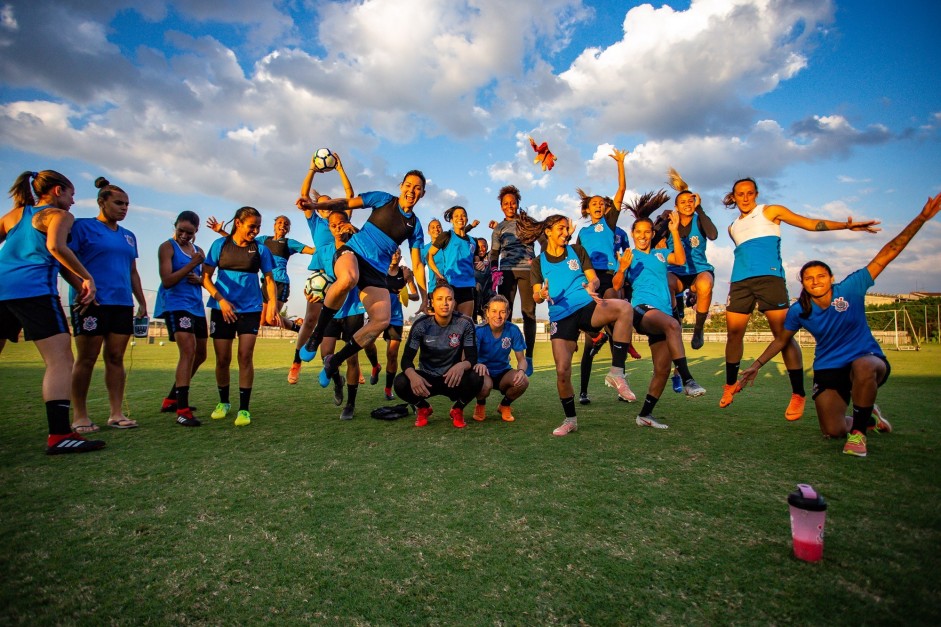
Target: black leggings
520,279
463,393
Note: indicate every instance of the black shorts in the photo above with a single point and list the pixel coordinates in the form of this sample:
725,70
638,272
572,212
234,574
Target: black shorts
838,379
686,280
569,327
639,311
605,278
392,332
281,290
368,276
464,294
38,317
103,319
245,324
769,292
185,322
344,328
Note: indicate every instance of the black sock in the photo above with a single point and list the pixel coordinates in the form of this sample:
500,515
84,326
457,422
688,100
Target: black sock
731,372
459,404
373,358
344,353
585,374
862,418
224,394
297,356
649,403
481,401
797,381
422,404
701,320
57,415
684,370
506,402
618,354
390,377
351,394
245,396
172,394
568,406
326,316
182,397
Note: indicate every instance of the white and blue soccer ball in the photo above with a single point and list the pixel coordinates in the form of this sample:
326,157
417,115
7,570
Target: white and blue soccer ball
317,285
324,160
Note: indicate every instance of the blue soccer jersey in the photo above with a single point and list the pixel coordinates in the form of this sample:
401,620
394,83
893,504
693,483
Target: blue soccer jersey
281,249
647,275
323,242
841,330
621,242
694,245
455,258
598,240
108,255
352,306
237,273
757,246
26,265
494,352
184,296
566,278
385,230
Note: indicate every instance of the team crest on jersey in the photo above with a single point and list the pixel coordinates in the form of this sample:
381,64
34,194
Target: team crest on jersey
841,304
454,340
694,241
599,228
90,323
129,238
186,322
505,343
660,257
573,264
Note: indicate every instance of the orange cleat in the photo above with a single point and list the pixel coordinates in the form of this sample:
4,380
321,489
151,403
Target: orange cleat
480,412
795,408
728,391
505,413
294,373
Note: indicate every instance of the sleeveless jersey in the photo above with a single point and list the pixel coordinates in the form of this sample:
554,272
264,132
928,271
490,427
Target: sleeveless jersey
26,265
455,258
281,249
565,275
694,244
757,246
841,330
108,255
183,296
647,275
237,275
598,240
385,230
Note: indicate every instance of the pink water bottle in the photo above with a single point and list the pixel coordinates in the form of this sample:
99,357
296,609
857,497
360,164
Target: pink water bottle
808,516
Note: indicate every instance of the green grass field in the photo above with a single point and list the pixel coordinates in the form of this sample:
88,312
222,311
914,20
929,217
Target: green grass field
302,518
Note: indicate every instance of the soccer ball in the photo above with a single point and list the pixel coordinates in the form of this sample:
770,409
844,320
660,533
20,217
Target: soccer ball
324,160
317,284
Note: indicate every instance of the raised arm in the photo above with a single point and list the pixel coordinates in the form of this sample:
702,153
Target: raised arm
780,214
624,262
618,156
898,243
216,226
706,225
677,256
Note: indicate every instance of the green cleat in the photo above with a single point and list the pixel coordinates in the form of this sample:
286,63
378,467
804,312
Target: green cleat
220,411
243,418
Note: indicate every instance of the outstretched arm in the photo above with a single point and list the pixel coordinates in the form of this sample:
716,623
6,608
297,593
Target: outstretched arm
898,243
779,213
618,156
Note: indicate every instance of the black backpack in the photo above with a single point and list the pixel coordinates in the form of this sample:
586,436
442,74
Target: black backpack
390,412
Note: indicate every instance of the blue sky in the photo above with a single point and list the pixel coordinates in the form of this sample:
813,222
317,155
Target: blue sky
833,106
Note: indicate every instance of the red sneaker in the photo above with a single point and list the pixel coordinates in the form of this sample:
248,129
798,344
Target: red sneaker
71,443
457,418
633,352
421,419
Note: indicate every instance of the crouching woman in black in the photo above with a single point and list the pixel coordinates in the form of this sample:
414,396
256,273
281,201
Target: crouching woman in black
446,345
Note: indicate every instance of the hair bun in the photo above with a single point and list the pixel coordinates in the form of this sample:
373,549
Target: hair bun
101,182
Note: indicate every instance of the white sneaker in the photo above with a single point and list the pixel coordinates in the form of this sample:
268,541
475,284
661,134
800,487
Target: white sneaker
649,421
693,389
565,428
619,383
